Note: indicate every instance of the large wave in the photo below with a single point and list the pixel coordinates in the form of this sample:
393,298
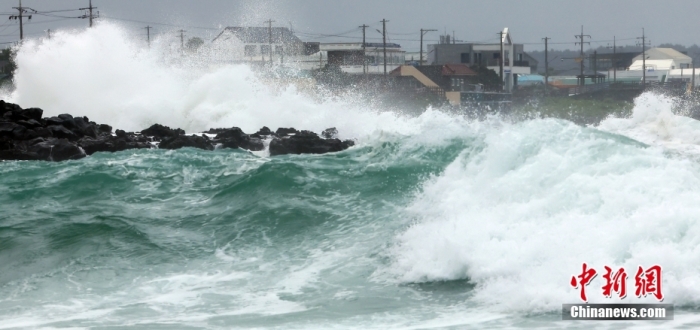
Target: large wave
103,73
519,215
512,207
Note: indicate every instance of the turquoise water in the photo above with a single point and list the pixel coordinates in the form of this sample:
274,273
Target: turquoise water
397,232
431,221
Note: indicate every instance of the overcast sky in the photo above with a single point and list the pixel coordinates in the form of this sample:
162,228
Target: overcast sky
668,21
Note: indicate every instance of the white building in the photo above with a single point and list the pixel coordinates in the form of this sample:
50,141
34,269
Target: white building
353,58
258,44
660,65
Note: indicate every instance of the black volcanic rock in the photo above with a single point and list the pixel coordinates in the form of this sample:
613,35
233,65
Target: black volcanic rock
306,142
25,135
104,128
112,143
264,131
160,132
56,150
6,128
181,141
85,127
62,132
30,123
234,138
68,121
33,113
216,130
54,121
285,131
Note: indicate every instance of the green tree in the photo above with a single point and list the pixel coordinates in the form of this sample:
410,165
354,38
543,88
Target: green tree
487,77
194,43
7,62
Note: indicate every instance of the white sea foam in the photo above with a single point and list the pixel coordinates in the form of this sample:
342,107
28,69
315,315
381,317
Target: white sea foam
656,121
105,75
516,213
520,217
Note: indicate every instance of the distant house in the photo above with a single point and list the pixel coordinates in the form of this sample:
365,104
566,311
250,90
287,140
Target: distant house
662,59
356,58
660,65
515,60
260,44
610,61
446,80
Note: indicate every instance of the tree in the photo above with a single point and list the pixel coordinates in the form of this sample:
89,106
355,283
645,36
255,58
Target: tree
7,61
194,43
488,78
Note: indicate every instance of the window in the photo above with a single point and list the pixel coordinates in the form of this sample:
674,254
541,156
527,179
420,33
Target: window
279,49
265,49
465,58
250,50
496,55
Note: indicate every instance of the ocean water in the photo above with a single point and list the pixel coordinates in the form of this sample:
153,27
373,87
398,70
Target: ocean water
432,221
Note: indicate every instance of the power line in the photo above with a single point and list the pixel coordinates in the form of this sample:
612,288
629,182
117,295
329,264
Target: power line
581,37
164,24
90,14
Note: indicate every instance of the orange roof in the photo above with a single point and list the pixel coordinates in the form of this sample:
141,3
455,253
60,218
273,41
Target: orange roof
457,70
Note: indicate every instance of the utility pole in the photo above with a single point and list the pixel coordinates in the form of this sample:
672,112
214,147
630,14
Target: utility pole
546,65
500,58
384,41
595,66
692,84
89,15
422,33
182,39
148,35
614,60
21,10
581,42
269,29
644,59
364,49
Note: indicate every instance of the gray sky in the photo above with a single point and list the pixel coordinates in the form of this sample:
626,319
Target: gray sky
668,21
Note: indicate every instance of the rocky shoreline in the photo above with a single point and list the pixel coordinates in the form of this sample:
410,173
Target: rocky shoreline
26,135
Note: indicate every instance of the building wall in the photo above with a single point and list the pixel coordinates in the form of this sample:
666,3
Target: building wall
483,54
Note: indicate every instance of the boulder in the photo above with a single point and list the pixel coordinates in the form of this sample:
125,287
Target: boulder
160,132
181,141
30,123
56,150
306,142
235,138
33,113
264,131
104,129
216,130
54,121
62,132
285,131
8,128
68,121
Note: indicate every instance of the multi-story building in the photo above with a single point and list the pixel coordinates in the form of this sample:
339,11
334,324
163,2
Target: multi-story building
260,44
515,60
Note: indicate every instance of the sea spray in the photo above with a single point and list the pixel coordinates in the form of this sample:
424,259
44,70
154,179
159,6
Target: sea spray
101,73
519,217
429,221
